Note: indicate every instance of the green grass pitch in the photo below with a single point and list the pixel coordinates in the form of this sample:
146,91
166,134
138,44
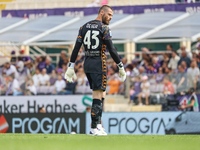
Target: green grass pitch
87,142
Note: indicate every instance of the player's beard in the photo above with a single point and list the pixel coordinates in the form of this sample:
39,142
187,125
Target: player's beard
104,20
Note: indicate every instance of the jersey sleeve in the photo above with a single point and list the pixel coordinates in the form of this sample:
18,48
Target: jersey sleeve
106,33
77,46
79,37
107,37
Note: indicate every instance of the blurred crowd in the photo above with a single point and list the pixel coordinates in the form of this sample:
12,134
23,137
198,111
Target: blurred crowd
165,74
24,76
154,73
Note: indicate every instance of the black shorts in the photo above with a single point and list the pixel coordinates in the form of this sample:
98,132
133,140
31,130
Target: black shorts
97,81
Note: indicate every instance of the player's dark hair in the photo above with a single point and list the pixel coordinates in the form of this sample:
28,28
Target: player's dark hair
104,8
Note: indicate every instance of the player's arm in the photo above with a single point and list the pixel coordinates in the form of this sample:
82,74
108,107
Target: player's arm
70,70
113,52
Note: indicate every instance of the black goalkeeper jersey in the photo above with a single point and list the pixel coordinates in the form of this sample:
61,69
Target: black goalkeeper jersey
95,36
92,35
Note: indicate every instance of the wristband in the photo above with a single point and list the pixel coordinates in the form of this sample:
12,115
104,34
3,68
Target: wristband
71,64
120,65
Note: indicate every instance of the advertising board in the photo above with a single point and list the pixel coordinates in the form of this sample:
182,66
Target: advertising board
52,104
149,123
42,123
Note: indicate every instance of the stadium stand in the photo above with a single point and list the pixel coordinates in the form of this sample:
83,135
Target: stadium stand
42,4
29,64
163,80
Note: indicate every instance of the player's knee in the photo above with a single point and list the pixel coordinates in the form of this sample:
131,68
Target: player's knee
98,94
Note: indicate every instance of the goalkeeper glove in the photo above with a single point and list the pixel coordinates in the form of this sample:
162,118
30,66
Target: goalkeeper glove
122,73
70,73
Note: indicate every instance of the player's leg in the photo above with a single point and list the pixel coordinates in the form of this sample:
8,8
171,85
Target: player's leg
96,95
99,123
96,111
98,85
102,101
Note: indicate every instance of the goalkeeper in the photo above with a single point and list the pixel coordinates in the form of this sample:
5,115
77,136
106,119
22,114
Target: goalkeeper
96,37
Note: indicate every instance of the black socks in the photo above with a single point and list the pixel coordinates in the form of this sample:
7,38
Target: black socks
96,112
99,119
